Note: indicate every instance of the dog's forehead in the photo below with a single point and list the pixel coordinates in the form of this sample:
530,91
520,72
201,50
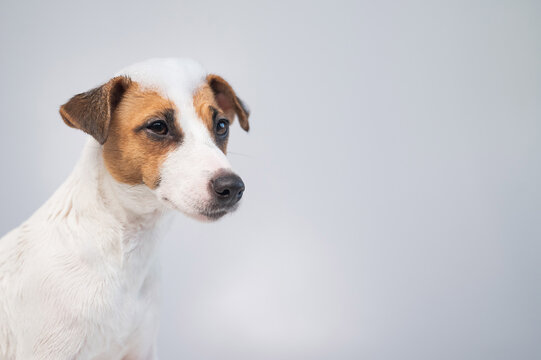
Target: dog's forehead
175,79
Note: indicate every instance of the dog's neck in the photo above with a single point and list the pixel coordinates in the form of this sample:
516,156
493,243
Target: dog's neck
120,220
130,205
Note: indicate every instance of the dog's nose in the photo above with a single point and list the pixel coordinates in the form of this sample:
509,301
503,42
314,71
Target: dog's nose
228,188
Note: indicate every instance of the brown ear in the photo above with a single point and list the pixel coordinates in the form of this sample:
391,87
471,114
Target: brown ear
91,111
228,101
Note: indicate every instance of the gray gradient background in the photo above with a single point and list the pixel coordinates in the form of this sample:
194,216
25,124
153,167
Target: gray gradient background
393,208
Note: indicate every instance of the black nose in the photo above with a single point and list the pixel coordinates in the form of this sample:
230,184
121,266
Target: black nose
228,188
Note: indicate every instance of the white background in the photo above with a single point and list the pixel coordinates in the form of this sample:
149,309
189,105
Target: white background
392,209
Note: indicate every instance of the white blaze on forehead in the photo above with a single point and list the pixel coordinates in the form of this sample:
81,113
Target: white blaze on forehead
175,79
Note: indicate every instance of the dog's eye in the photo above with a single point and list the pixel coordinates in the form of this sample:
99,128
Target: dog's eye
222,126
159,127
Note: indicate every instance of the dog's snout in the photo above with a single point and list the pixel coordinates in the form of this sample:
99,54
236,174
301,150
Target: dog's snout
228,188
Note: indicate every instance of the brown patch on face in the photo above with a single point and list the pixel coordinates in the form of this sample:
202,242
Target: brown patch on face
208,110
203,102
216,100
133,154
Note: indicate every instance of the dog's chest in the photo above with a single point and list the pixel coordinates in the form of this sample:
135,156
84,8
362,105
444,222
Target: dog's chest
131,318
120,295
125,320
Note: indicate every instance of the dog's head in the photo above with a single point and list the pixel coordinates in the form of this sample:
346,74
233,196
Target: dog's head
165,123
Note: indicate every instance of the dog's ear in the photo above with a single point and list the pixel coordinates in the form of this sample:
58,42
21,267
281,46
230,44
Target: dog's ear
228,101
92,111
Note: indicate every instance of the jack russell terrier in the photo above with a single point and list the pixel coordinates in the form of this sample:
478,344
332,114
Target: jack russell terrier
78,279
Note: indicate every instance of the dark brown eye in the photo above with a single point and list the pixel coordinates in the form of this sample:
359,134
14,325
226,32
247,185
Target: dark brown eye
158,127
222,127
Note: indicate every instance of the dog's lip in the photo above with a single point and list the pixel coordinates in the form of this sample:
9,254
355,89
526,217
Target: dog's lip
214,215
211,214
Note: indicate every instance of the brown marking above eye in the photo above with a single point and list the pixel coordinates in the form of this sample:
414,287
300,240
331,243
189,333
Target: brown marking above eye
210,113
133,154
205,105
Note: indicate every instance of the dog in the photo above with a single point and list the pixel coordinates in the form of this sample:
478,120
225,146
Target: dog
78,279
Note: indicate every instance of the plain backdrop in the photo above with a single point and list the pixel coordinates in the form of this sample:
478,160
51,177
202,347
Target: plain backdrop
393,169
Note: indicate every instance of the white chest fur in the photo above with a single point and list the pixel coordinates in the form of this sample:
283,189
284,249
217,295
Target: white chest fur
85,262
